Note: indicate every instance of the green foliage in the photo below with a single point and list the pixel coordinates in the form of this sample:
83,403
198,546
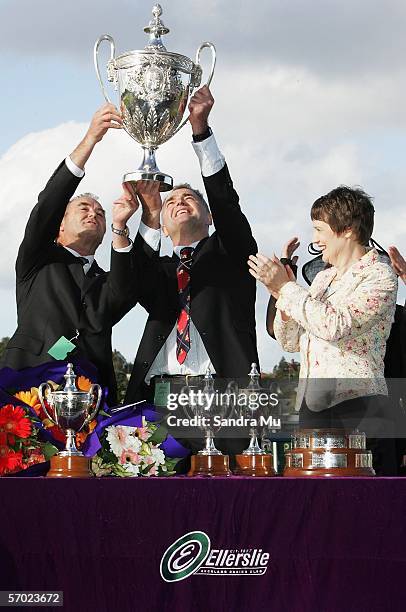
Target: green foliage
122,369
3,344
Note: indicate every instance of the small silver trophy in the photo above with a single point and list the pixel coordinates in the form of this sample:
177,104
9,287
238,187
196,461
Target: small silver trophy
254,460
72,410
154,87
209,461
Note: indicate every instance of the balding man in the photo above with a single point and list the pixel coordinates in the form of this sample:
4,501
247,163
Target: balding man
66,304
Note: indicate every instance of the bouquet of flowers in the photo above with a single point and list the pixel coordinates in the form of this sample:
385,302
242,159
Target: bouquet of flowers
20,446
133,451
132,442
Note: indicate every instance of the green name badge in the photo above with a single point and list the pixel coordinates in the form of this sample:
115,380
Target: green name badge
162,390
61,348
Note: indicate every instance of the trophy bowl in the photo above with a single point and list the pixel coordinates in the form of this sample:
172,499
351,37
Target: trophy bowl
71,410
154,88
328,452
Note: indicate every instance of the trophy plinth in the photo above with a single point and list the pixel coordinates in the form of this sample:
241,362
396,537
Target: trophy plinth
254,465
328,453
154,87
209,465
70,466
71,410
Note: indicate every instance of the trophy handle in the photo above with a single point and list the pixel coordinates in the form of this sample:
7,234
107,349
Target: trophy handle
212,48
91,416
110,68
41,394
196,83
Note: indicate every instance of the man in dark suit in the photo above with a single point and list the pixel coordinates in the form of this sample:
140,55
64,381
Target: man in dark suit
62,294
200,301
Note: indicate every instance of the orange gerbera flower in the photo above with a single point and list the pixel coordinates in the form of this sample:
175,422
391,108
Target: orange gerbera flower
31,398
9,460
14,421
83,383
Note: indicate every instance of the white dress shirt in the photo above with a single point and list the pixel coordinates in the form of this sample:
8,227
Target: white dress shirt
197,360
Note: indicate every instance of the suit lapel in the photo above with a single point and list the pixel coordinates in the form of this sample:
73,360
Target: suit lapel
91,277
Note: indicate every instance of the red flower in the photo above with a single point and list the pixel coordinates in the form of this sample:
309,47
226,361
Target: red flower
14,421
10,461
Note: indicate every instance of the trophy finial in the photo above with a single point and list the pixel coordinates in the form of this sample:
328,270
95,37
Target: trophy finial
254,376
70,378
156,29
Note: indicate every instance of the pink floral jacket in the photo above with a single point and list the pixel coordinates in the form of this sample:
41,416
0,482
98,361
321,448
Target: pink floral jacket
341,330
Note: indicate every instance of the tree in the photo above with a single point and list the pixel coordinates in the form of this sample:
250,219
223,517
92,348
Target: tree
122,369
3,344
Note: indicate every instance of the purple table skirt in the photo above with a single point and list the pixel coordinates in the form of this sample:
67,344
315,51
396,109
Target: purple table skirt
334,544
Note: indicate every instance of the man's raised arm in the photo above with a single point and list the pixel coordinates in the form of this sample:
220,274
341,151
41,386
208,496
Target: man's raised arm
45,219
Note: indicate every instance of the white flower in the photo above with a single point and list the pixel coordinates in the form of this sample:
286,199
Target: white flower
158,455
132,469
120,437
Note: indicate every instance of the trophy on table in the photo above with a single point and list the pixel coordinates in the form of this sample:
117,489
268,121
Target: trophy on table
328,452
209,461
71,410
253,461
154,87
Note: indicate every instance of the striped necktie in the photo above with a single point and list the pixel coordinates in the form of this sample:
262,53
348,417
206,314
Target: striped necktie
183,323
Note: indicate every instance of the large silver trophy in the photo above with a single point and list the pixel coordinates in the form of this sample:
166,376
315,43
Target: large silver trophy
154,87
71,410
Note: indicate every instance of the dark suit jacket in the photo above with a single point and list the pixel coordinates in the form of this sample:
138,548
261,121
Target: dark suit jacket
55,298
222,303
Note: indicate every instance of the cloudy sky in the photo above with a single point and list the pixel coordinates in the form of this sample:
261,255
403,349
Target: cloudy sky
309,94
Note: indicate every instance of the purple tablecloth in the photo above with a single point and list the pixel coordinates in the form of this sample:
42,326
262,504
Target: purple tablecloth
334,545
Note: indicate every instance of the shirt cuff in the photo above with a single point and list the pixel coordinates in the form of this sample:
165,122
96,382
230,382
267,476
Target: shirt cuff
151,236
126,249
74,168
210,158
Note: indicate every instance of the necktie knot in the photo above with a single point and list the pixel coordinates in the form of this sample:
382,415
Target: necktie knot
186,253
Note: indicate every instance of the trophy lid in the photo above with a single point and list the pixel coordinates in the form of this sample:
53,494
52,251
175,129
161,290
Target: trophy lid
156,29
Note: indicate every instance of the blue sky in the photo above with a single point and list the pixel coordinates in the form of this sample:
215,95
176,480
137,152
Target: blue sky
309,95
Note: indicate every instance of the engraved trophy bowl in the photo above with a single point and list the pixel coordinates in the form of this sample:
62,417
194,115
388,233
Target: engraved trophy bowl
71,410
253,461
209,461
154,88
328,452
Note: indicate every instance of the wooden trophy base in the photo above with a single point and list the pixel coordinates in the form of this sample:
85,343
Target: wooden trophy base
351,462
254,465
70,466
209,465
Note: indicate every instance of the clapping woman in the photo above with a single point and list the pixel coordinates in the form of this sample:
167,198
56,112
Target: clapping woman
340,325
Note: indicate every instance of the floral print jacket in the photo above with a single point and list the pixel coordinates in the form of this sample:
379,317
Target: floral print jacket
340,329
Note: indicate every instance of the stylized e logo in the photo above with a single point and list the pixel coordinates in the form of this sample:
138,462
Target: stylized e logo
185,556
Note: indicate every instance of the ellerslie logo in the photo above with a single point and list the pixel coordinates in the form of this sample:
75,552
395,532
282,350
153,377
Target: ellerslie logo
192,554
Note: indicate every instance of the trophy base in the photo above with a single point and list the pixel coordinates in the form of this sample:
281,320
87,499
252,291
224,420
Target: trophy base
70,466
340,462
209,465
166,181
254,465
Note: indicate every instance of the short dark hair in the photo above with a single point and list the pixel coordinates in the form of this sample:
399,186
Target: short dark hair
346,208
197,193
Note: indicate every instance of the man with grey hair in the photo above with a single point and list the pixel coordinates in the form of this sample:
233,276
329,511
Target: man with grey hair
66,304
